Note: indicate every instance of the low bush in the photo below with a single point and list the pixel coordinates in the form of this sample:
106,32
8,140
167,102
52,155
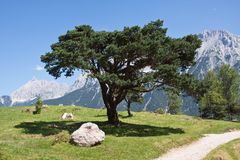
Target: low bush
38,106
159,111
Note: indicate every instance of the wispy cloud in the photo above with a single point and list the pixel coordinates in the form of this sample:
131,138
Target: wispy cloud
39,68
214,9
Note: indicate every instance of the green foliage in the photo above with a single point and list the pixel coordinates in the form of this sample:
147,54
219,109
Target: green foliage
159,110
193,87
222,98
230,82
136,97
174,102
38,106
118,59
212,104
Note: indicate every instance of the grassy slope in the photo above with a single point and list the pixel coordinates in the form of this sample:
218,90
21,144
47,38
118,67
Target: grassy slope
25,136
229,151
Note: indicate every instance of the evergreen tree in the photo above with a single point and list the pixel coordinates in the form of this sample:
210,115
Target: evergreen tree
212,104
38,106
118,59
230,82
222,99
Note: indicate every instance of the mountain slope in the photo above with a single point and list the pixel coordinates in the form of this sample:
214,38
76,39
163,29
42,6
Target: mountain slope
79,83
43,88
89,95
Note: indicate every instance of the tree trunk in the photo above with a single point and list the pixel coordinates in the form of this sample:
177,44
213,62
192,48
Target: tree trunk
230,111
129,109
112,116
111,101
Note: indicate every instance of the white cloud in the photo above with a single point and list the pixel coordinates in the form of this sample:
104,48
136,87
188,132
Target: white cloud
39,68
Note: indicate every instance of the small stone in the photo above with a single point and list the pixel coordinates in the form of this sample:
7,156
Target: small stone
67,116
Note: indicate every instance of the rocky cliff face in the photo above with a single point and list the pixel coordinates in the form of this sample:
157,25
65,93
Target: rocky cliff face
218,47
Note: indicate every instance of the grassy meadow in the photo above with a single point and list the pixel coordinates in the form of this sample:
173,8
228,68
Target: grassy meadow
24,136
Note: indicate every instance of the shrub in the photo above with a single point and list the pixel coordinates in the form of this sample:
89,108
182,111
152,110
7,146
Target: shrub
159,111
38,106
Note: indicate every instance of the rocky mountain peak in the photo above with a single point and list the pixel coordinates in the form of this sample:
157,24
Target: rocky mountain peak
43,88
218,47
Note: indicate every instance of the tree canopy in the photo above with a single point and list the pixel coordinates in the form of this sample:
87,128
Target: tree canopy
123,61
222,100
212,104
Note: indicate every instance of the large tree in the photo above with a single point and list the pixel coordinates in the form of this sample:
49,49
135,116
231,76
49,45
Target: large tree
122,61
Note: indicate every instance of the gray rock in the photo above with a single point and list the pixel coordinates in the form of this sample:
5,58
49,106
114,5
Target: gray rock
88,135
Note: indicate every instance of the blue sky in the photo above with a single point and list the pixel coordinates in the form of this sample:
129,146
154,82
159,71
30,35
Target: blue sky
29,27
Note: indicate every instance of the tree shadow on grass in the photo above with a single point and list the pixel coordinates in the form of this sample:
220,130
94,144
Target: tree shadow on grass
125,116
124,130
101,115
121,116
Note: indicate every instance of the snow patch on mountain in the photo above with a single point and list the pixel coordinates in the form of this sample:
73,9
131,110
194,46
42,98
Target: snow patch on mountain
79,83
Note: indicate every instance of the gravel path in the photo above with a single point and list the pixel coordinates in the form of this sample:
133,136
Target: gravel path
199,149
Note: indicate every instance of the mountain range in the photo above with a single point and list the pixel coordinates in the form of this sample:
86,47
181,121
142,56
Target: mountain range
218,47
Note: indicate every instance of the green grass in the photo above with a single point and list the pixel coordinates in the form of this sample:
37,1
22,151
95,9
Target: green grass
24,136
228,151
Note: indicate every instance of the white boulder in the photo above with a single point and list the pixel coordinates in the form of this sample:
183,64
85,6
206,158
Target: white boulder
67,116
88,135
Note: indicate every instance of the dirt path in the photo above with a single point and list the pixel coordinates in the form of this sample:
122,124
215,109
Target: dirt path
199,149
